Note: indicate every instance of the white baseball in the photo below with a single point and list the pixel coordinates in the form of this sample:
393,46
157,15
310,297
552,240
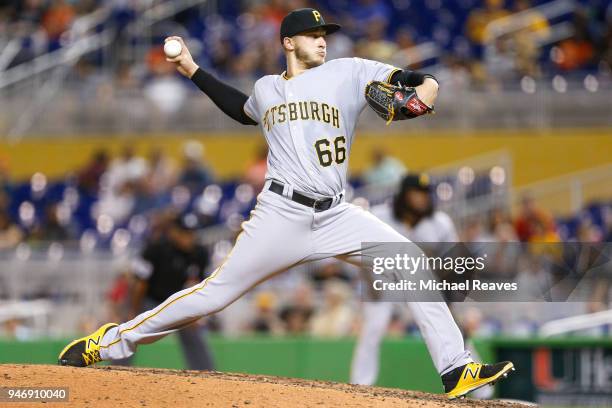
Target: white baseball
172,48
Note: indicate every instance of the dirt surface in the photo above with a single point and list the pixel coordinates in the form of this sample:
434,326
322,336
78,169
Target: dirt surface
140,387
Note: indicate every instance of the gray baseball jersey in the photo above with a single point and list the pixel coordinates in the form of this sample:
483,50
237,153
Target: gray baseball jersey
309,121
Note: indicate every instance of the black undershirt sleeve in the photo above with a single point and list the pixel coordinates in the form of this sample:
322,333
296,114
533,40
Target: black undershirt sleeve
409,78
229,99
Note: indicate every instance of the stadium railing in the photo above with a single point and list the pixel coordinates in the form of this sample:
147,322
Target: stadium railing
519,21
576,323
131,111
568,194
47,76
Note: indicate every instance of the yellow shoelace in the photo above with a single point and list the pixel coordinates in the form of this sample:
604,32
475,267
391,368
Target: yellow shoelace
92,357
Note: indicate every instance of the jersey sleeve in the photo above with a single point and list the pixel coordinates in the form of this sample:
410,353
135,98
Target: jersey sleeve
251,106
367,70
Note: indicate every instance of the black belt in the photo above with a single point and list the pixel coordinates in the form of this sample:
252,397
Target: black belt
318,204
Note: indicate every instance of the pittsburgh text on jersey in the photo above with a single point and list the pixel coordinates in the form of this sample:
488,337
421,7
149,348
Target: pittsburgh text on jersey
308,110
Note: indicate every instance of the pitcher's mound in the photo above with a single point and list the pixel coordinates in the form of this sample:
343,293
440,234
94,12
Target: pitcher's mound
146,387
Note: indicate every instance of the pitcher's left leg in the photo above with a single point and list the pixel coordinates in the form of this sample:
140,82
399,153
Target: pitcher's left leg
342,233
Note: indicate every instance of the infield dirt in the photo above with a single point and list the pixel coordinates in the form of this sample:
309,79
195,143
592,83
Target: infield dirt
146,387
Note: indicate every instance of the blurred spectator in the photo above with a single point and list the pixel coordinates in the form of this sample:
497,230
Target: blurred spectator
587,231
480,18
121,183
474,231
269,59
255,27
536,24
266,320
516,52
385,170
297,313
336,317
4,200
375,46
406,55
527,40
339,45
527,55
533,275
28,12
10,234
221,54
363,13
533,222
471,322
129,110
195,174
502,252
162,173
245,64
127,168
577,51
500,61
165,89
255,174
90,175
57,18
16,329
397,326
53,226
330,270
543,231
454,74
274,11
119,296
606,43
607,223
5,180
500,226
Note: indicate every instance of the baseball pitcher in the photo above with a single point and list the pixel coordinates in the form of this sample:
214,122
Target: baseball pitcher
308,116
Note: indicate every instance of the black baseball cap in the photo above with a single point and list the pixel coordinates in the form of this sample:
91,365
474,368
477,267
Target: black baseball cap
418,181
304,19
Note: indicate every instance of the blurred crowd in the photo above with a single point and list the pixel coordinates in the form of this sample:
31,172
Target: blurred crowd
109,193
117,200
130,201
492,43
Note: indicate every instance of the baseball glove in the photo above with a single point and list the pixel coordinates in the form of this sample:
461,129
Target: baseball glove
395,102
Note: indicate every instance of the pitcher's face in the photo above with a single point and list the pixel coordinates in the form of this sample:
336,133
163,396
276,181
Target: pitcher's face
310,47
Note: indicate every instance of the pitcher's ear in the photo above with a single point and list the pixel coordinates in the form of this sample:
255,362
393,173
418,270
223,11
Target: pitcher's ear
288,44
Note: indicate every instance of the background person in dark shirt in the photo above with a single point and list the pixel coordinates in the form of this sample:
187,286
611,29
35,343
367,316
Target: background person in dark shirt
167,265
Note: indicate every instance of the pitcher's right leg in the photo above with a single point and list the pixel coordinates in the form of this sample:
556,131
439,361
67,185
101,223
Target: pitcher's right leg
276,237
